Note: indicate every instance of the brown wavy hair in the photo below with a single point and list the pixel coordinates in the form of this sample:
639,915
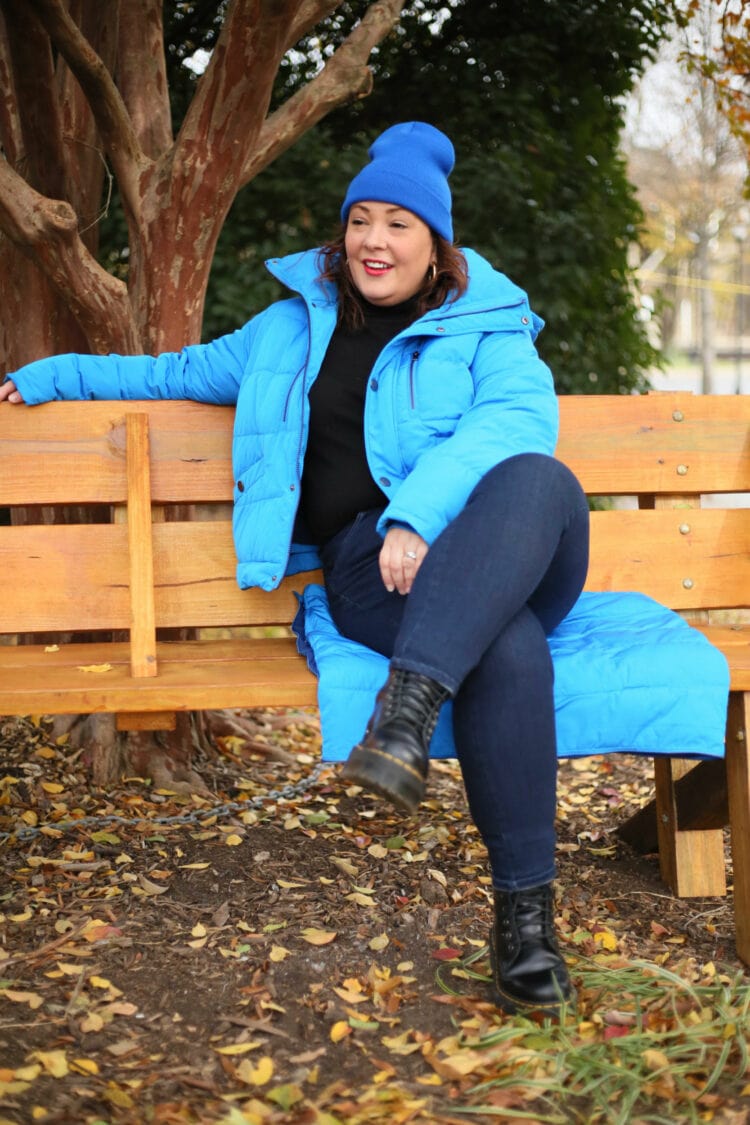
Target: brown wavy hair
450,281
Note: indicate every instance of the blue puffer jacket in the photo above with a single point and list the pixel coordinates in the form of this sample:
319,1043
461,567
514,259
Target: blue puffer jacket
455,393
458,391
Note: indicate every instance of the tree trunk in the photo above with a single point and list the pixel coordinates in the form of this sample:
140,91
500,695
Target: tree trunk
706,307
84,100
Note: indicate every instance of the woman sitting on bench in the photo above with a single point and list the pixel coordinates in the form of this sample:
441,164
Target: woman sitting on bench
394,413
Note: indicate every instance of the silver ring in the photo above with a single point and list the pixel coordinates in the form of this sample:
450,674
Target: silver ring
410,555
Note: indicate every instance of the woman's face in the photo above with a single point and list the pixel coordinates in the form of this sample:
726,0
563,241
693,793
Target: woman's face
388,250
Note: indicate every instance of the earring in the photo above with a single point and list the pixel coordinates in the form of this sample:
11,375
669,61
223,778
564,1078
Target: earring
431,272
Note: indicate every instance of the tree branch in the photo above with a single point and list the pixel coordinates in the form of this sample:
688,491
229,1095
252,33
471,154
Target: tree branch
344,76
46,230
142,74
40,153
232,96
310,13
10,129
113,123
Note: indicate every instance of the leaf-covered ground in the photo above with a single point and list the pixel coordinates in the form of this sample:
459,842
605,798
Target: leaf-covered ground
306,956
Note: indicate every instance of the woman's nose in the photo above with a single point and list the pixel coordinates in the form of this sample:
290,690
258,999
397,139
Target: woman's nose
375,236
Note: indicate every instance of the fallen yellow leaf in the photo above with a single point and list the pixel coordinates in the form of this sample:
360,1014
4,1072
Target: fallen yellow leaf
318,937
256,1075
54,1062
94,667
344,865
360,899
86,1066
33,999
149,887
655,1060
278,953
379,942
340,1030
606,939
350,996
239,1048
102,982
233,840
28,1073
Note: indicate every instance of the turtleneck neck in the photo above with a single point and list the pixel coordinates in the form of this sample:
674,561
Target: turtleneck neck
404,311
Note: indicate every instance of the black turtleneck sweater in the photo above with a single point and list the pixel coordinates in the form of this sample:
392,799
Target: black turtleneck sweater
336,482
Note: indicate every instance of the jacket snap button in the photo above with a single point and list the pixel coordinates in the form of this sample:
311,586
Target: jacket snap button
373,384
384,481
524,320
240,486
441,329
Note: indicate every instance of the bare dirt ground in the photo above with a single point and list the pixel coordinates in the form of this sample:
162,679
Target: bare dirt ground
307,956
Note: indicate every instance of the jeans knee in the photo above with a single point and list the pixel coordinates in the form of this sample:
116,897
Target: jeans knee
538,473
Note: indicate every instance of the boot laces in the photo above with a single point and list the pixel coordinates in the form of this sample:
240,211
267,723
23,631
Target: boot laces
528,917
413,699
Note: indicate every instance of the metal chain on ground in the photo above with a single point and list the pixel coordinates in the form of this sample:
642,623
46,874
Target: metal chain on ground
287,793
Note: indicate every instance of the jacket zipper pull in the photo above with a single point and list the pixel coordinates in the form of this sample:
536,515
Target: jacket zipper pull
414,358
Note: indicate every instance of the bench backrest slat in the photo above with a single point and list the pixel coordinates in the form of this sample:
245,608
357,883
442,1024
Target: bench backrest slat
669,447
64,578
73,578
685,558
664,442
59,453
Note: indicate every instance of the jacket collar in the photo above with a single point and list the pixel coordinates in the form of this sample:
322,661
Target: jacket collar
486,304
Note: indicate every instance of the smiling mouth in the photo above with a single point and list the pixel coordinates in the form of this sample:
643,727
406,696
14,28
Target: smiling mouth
374,268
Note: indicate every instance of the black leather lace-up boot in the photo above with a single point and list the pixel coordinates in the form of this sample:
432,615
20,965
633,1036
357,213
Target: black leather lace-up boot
392,757
528,971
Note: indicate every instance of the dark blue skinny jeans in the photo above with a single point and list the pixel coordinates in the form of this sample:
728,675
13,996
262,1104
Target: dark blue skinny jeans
500,577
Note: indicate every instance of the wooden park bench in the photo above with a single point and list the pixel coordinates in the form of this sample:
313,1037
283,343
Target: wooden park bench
138,465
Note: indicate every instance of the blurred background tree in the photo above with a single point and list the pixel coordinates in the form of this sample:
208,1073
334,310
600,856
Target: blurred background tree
689,163
532,95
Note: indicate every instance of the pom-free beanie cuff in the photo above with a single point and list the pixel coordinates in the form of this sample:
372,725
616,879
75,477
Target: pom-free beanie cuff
409,166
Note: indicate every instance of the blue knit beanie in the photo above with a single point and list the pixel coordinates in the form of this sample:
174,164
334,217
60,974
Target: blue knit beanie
409,166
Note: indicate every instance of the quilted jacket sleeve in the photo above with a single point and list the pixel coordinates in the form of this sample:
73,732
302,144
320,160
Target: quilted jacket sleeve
203,372
514,411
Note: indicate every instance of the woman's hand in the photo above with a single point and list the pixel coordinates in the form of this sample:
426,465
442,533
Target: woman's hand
401,556
9,391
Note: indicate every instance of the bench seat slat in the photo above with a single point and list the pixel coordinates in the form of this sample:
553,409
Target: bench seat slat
237,672
193,675
734,642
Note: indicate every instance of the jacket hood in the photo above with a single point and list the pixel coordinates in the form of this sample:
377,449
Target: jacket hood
488,291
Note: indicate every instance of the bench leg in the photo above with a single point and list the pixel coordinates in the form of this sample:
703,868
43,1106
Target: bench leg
691,860
738,784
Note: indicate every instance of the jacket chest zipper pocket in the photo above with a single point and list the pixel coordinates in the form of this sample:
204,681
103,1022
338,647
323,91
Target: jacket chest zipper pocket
412,371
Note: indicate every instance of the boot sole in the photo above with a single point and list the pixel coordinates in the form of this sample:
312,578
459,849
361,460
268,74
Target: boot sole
385,775
513,1006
